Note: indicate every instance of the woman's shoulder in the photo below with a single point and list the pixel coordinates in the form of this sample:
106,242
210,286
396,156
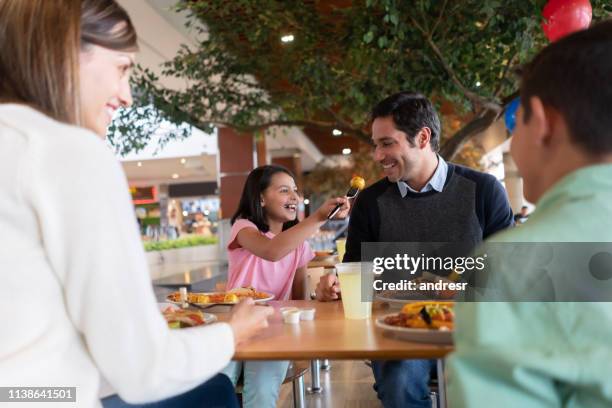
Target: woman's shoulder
53,139
47,149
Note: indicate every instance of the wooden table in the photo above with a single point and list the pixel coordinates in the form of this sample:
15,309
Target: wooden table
330,336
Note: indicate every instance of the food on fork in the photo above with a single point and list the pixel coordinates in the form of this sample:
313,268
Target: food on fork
358,183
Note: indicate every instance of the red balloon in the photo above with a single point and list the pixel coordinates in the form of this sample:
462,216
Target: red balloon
563,17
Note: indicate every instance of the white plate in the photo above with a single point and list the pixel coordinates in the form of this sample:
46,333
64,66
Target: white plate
208,317
416,335
270,297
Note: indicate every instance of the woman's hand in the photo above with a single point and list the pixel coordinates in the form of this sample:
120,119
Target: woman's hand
329,205
248,319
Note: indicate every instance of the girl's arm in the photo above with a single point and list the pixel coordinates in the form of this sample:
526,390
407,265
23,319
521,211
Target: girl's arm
274,249
299,284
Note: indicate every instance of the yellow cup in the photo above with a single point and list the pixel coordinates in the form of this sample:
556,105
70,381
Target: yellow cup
350,277
341,248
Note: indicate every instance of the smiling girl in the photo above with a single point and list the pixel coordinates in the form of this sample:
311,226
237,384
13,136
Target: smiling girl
268,250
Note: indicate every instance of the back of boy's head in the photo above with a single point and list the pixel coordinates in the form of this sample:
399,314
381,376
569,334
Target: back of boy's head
574,76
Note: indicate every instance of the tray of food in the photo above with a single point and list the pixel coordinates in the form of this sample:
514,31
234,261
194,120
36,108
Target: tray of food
428,322
221,298
178,318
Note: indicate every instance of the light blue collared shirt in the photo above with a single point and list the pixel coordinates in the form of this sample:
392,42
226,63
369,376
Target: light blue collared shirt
436,182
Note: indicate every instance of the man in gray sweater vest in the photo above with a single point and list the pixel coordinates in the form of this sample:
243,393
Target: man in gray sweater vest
421,199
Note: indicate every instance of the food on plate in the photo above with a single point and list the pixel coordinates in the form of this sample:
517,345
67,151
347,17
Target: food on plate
232,296
323,254
424,315
180,318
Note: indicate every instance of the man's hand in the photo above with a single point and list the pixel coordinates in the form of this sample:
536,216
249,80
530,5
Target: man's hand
328,288
248,319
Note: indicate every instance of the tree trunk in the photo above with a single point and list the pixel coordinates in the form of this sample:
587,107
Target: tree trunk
477,125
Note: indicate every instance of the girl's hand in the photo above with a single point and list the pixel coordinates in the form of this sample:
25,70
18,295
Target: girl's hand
329,205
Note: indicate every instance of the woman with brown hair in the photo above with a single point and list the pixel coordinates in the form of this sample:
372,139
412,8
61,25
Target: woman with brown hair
76,302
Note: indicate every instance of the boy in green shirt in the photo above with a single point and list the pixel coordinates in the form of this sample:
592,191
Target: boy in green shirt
545,354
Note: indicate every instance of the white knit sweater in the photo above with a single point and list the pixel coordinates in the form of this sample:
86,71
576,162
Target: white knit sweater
75,294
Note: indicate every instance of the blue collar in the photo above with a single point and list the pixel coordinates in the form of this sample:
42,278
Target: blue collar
436,182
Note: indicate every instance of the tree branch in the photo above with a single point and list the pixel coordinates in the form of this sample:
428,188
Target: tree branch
454,144
473,97
501,80
341,123
358,133
433,30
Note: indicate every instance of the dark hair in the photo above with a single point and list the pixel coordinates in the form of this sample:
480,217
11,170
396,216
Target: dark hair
40,42
572,76
411,112
250,207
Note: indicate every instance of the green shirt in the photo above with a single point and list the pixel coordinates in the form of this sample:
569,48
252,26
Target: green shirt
541,354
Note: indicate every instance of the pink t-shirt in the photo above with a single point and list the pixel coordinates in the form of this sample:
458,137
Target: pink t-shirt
246,269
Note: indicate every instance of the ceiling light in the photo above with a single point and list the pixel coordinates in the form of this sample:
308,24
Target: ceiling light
346,151
287,38
185,213
175,176
336,132
183,160
139,164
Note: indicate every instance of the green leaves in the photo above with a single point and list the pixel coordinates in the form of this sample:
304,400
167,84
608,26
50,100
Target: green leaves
383,41
186,242
342,61
394,18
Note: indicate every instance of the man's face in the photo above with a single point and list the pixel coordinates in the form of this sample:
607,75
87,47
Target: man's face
526,155
392,150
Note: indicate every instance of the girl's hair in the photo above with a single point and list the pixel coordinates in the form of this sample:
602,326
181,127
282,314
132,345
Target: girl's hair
250,207
40,41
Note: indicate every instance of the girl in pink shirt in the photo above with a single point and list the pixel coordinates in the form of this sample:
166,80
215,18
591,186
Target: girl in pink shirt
268,250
